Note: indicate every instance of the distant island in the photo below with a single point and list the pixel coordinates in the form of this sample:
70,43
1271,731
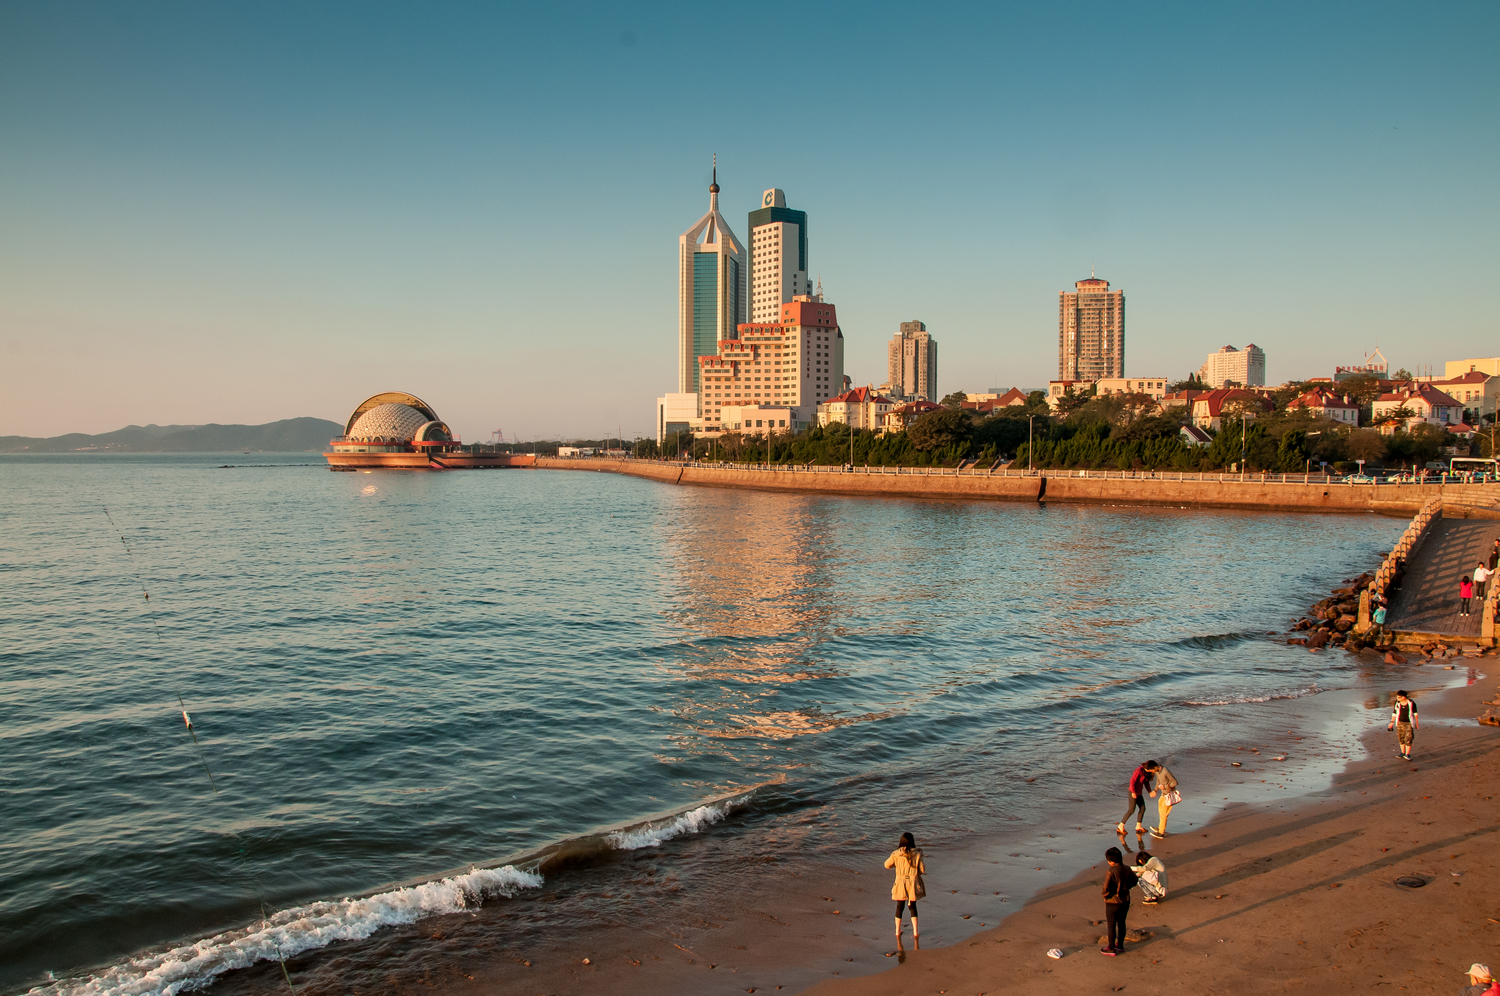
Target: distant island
289,435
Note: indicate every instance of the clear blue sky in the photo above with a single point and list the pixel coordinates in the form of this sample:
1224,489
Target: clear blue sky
244,212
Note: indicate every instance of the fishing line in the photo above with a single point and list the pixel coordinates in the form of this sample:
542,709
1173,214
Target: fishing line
151,611
198,749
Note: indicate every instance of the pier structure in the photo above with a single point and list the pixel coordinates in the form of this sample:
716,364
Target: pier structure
1425,608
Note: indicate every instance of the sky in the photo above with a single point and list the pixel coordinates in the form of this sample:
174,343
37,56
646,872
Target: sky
238,213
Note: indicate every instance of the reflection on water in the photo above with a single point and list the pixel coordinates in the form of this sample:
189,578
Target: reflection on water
453,668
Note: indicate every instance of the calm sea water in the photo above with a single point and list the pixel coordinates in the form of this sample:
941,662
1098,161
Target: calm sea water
411,678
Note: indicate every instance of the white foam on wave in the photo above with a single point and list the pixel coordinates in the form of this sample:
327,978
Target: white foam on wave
654,834
1246,699
290,932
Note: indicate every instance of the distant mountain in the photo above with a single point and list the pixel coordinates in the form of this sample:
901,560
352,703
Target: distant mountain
290,435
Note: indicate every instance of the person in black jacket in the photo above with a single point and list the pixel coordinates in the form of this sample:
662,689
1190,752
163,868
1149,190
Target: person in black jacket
1118,882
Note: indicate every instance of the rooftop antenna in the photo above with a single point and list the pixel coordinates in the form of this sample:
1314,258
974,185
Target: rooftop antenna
713,188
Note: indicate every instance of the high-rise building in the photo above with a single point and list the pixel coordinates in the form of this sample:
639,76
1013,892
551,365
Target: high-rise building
1090,331
796,360
778,256
912,362
711,302
1242,367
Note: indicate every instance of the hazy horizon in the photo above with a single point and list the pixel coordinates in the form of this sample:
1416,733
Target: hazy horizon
243,214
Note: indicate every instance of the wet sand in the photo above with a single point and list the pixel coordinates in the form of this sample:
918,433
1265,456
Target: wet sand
1278,839
1275,898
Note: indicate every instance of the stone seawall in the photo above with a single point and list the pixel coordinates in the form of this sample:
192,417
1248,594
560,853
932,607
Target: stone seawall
1273,493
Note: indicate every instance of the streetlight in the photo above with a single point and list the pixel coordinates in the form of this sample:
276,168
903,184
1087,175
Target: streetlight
1243,417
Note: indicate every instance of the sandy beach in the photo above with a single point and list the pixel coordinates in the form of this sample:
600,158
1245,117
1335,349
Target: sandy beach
1276,888
1267,898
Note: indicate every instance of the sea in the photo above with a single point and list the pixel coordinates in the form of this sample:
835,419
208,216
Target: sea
540,710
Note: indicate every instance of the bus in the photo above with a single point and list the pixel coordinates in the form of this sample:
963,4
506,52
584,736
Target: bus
1483,468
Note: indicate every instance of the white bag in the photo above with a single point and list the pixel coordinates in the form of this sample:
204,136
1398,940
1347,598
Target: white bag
1172,798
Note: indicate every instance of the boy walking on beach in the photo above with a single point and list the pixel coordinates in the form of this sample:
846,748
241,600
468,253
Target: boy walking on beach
1118,881
1403,721
1140,784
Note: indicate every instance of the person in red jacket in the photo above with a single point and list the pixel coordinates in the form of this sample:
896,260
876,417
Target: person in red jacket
1140,784
1465,594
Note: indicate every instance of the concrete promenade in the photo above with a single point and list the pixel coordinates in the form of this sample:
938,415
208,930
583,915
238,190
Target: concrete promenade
1427,603
1264,492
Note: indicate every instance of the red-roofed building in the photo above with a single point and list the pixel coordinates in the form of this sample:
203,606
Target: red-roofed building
1476,389
1426,404
1326,404
1180,399
1210,406
897,419
862,407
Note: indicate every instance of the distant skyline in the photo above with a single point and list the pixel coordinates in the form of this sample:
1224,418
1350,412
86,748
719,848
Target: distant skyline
239,214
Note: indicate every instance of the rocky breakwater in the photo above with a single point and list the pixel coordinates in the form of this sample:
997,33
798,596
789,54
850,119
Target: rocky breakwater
1332,621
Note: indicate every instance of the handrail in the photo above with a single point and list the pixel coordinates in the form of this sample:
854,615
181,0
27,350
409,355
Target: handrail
1411,538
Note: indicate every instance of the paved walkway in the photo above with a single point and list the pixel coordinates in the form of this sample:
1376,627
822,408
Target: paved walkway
1428,599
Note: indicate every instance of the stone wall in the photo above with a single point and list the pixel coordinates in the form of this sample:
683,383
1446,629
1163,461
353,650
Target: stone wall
1272,492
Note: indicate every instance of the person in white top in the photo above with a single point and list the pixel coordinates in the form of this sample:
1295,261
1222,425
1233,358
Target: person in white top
1481,575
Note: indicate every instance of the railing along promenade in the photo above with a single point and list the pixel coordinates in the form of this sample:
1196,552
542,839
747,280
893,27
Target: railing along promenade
1264,491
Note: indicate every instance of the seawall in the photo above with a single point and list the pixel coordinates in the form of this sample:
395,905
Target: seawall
1270,492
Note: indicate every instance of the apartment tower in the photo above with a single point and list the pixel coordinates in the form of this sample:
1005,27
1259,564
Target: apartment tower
911,361
711,266
1090,332
778,256
796,361
1241,367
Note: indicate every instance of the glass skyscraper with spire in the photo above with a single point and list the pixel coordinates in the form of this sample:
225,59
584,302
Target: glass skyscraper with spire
711,298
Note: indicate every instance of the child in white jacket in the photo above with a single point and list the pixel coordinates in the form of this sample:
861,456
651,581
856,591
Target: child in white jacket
1153,877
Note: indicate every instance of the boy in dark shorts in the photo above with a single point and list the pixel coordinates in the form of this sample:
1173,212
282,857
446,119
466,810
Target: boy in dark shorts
1403,721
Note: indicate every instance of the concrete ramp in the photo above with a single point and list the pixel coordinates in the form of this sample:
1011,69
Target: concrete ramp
1427,603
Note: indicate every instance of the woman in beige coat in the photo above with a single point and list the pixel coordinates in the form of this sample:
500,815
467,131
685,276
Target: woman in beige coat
907,861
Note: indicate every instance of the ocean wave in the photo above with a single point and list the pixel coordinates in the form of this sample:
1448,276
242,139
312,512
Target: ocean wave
290,932
1213,641
304,928
654,834
1246,699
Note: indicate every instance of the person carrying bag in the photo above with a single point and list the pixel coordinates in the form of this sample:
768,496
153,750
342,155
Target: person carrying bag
1166,784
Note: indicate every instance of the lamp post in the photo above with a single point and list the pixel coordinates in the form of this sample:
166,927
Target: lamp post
1243,417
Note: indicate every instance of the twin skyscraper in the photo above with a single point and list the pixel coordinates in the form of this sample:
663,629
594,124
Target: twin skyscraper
721,285
751,330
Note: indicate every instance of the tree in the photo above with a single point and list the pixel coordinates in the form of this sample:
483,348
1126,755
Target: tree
1427,441
1070,401
1367,445
1036,403
1193,383
1402,374
1399,416
954,400
1005,432
1292,453
940,428
645,448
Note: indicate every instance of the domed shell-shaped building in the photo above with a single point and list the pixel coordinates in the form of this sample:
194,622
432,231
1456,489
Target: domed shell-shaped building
396,424
400,430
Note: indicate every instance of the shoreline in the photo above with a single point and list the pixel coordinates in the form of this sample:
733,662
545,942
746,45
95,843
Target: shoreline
1266,493
1297,895
825,921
